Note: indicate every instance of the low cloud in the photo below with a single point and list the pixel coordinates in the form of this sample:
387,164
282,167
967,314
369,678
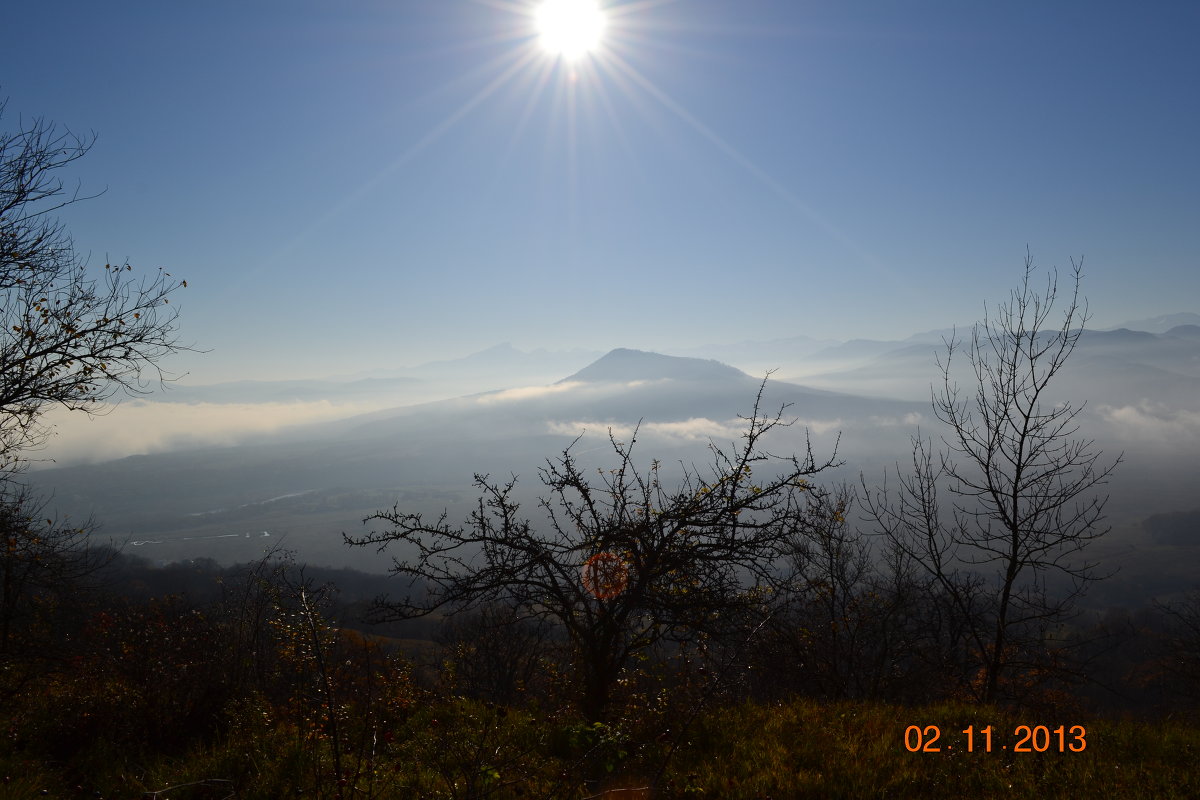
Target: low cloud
821,426
696,429
586,388
527,393
909,420
141,427
1153,422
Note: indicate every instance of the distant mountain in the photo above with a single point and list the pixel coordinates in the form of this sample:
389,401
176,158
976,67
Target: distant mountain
1160,324
500,367
504,358
1115,367
757,357
319,480
625,365
938,335
1180,528
1121,337
516,367
1185,332
857,349
290,391
624,386
1142,393
1177,354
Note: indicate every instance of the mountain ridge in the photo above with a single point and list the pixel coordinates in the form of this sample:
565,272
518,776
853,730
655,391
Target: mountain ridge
1159,324
624,364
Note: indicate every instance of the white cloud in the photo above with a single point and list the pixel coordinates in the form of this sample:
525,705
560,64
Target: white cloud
139,427
589,428
909,420
1154,422
692,430
821,426
698,428
527,392
573,387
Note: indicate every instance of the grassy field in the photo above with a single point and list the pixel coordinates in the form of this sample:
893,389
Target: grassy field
462,749
859,751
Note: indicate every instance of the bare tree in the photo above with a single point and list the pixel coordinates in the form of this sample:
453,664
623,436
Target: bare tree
622,562
1022,485
70,335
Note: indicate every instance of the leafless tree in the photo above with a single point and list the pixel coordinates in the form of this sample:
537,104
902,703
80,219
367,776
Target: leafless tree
1022,485
70,335
663,562
857,623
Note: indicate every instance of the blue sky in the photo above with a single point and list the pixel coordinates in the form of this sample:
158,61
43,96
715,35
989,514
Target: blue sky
348,185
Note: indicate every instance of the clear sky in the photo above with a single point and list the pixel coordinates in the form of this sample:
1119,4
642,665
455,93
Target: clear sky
363,184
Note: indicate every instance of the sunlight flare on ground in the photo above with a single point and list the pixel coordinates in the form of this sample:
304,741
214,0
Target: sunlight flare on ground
570,28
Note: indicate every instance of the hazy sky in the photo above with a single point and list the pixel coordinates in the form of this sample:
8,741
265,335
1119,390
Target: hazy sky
357,184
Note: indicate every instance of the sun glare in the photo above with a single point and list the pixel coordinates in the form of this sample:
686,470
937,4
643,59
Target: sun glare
570,28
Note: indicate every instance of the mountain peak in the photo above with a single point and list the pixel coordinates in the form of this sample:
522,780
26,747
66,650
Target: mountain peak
1160,324
1185,332
624,364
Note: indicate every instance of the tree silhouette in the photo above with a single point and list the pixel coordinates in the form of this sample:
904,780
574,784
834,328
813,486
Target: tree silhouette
1022,485
622,562
70,335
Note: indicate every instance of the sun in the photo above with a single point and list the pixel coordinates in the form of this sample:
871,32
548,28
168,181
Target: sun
570,28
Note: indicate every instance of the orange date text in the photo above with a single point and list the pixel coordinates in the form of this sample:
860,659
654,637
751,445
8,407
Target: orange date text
1025,739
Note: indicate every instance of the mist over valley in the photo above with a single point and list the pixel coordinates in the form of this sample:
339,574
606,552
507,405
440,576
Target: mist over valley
301,486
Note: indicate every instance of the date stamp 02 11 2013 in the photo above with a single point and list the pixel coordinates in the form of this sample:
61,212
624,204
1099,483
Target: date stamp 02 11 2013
1035,739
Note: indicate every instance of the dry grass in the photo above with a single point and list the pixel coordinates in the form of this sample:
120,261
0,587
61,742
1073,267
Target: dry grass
750,752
